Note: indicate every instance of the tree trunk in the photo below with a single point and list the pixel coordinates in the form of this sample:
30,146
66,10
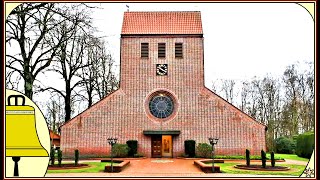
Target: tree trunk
67,107
28,83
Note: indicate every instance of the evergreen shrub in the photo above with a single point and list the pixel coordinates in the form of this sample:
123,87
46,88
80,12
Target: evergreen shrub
285,145
263,158
273,161
59,157
133,147
248,157
305,145
120,150
190,148
204,150
76,157
52,156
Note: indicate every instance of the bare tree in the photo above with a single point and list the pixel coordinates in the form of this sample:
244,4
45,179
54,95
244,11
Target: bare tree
214,86
69,62
30,48
305,104
54,112
310,104
290,114
271,90
12,80
285,105
70,57
98,77
228,89
106,80
245,90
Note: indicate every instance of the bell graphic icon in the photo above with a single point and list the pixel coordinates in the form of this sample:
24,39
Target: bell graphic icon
21,134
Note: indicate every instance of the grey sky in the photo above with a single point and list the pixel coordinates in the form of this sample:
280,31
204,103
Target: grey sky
242,40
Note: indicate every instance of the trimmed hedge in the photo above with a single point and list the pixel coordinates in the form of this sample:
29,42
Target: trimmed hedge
76,157
52,156
305,144
248,157
285,145
190,148
263,158
59,157
273,161
120,150
133,147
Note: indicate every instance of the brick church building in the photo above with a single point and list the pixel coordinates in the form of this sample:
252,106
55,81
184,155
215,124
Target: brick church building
162,100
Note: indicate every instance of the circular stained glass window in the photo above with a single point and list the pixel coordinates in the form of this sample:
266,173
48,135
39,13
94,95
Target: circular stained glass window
161,106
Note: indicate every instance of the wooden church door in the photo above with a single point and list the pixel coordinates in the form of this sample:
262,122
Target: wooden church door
156,146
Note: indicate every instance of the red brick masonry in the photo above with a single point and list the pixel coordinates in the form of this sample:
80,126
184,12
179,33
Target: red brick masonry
199,112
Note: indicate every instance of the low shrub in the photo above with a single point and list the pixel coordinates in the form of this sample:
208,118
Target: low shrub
204,150
305,145
189,148
133,147
138,155
120,150
285,145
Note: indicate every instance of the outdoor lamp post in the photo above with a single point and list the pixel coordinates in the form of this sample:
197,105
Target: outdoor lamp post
213,141
112,141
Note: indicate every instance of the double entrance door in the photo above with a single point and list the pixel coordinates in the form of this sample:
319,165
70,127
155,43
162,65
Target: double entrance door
161,146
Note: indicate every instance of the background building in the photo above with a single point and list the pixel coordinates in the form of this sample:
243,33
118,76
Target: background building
54,139
162,100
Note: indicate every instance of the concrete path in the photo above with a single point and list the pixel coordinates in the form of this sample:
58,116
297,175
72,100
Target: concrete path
153,167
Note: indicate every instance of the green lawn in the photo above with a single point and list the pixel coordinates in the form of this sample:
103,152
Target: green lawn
290,156
94,167
295,170
252,157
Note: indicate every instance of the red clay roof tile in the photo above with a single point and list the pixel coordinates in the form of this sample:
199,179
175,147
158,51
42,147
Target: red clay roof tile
180,22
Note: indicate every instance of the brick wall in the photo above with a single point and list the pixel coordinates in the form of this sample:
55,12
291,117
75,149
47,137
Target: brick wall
199,112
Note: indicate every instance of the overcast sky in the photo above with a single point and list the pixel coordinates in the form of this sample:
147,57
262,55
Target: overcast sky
242,40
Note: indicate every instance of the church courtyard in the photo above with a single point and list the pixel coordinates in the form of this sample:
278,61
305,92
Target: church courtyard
174,167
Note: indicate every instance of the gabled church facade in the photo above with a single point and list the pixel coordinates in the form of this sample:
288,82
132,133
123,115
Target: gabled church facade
162,100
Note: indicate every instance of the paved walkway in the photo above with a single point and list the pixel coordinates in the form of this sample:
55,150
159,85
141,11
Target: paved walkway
164,175
154,167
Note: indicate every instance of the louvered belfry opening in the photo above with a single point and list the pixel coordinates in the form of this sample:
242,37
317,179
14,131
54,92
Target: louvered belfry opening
162,50
178,50
144,50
